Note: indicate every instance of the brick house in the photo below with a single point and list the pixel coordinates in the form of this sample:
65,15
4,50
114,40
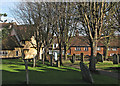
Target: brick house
80,44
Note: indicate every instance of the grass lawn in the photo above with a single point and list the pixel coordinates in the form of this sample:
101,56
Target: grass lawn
13,72
105,65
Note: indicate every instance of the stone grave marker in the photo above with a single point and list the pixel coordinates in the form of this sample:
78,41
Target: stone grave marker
119,57
115,59
82,57
73,58
99,57
86,75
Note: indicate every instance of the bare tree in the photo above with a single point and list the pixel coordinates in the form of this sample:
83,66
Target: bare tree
92,16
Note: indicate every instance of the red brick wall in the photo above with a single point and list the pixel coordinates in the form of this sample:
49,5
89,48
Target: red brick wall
101,51
73,51
114,52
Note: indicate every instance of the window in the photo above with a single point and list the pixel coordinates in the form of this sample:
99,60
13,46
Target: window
5,53
108,48
55,45
78,48
111,54
16,53
86,49
114,49
23,42
98,48
0,52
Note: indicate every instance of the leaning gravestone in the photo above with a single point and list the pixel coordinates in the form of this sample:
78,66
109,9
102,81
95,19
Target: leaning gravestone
86,75
99,57
115,59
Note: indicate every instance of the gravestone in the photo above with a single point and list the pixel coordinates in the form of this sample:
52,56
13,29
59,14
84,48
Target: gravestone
86,75
115,59
73,58
82,57
119,57
99,57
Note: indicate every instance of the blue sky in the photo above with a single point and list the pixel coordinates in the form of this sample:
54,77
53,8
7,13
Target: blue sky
5,6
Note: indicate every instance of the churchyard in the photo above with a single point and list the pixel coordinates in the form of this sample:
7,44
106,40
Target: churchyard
47,74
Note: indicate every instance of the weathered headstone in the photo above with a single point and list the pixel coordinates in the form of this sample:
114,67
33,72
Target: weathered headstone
82,57
73,58
119,57
99,57
115,59
86,75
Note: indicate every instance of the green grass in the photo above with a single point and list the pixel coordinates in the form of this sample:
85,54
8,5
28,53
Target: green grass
105,65
13,72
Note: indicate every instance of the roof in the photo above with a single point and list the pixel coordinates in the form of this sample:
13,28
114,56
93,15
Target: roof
79,41
24,32
9,43
115,42
83,41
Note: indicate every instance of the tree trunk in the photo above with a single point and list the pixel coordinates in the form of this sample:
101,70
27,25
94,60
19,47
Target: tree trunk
65,56
60,57
34,61
92,66
106,52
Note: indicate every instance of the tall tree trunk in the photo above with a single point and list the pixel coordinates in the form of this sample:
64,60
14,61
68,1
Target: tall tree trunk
65,52
60,57
106,52
92,66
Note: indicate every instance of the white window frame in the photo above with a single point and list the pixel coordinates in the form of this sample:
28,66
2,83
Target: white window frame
114,49
78,48
85,48
98,48
5,53
17,54
109,49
